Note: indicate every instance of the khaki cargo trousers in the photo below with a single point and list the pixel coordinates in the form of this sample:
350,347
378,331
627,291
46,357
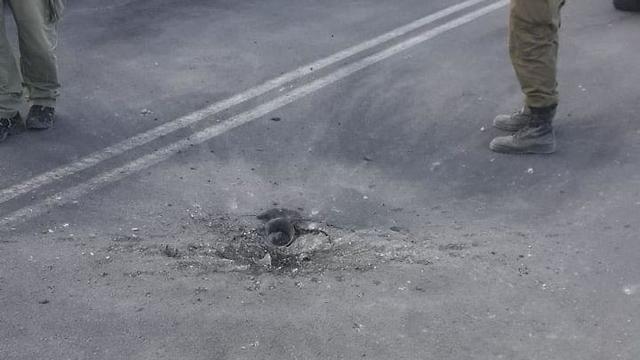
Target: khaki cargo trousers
37,39
533,47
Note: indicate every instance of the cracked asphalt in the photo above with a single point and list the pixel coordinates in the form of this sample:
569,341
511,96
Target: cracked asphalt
439,249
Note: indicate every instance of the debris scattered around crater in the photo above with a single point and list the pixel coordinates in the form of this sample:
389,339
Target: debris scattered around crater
279,241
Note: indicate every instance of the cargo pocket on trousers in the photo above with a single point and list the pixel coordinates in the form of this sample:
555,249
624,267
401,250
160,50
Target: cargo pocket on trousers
56,8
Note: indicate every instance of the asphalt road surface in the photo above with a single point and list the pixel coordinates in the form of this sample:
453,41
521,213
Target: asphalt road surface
128,230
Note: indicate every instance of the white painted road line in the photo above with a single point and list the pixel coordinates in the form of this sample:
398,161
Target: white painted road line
98,157
117,174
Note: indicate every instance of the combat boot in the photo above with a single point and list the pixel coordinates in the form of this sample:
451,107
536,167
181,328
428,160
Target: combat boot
535,137
7,126
515,121
40,117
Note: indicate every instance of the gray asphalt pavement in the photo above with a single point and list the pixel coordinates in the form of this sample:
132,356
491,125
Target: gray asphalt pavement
439,248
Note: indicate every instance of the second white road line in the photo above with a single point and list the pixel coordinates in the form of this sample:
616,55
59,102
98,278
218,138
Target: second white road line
139,140
162,154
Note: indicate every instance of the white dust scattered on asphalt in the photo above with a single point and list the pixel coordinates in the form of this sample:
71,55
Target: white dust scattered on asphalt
631,289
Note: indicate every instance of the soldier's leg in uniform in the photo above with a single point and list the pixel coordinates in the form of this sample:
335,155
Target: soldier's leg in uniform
10,79
533,47
36,20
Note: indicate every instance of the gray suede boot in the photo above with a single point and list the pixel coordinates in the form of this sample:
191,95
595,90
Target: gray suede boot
534,137
513,122
518,119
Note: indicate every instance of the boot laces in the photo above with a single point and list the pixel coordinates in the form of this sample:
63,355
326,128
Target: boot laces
536,128
522,111
522,132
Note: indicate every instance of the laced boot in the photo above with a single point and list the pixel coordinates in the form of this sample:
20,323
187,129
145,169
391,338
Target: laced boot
40,117
517,120
534,137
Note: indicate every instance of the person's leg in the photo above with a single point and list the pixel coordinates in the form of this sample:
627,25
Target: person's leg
36,20
533,47
10,79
